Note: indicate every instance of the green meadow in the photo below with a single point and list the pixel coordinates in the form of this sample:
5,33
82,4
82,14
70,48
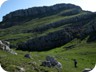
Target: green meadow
84,53
76,25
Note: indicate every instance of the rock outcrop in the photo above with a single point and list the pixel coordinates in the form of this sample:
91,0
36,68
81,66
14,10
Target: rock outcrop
39,32
4,45
77,29
24,15
47,42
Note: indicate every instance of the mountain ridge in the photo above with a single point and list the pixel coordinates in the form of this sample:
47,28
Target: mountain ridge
52,30
24,15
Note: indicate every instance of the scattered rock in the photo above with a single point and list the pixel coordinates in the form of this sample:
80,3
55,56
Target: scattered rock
13,52
52,62
21,69
27,56
4,45
46,64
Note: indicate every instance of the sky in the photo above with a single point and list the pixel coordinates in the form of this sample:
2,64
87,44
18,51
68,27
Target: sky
12,5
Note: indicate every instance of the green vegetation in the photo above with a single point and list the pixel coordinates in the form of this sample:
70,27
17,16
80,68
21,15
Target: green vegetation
66,34
25,31
84,53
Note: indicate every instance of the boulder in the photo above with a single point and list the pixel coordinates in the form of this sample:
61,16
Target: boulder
27,56
46,64
52,60
4,45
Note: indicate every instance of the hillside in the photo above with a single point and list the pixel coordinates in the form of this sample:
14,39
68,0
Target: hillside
63,31
45,28
85,53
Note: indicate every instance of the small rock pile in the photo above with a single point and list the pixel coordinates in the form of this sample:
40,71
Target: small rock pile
5,46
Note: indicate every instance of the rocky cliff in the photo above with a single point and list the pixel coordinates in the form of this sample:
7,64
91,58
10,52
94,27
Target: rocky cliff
24,15
77,29
48,27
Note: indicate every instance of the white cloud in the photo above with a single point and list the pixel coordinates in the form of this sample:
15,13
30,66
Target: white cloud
89,5
2,1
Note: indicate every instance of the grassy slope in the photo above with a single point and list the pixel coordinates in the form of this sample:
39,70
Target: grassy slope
84,53
19,33
16,32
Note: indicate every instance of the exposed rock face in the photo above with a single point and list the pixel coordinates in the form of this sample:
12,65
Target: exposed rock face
4,45
21,16
50,41
91,31
77,29
80,19
73,23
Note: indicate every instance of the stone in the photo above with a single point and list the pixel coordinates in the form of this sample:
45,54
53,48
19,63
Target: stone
27,56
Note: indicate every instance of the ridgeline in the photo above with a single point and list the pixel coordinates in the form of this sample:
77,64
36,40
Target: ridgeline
47,27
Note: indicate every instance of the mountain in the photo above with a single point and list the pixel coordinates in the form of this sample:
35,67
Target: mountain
20,16
47,27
